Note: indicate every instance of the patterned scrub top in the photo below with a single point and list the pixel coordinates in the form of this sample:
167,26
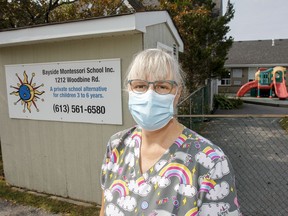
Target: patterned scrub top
193,177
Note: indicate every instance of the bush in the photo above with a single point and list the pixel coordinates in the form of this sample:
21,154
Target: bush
224,102
284,123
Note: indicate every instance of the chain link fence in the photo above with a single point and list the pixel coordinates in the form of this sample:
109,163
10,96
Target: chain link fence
257,146
200,101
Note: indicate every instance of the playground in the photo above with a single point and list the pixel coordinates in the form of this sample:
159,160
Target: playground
269,82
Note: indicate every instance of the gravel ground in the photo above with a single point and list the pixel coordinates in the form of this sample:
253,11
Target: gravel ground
11,209
255,109
257,148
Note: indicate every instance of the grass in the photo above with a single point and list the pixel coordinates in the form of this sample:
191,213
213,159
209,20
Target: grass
44,202
284,123
1,164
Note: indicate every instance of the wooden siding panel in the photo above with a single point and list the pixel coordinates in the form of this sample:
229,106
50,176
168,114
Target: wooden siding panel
61,158
159,33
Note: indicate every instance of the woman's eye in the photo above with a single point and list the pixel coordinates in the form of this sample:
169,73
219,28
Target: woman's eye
140,86
162,87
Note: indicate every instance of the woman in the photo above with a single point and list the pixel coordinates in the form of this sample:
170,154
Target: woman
160,167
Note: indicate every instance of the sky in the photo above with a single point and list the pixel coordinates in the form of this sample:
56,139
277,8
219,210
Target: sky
259,19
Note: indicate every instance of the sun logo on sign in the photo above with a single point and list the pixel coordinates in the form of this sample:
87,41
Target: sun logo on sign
27,92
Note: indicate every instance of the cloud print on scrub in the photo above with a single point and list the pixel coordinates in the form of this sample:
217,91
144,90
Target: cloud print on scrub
139,186
113,163
180,171
219,191
113,210
125,201
216,209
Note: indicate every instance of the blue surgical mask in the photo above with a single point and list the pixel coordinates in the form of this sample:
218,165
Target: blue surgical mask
150,110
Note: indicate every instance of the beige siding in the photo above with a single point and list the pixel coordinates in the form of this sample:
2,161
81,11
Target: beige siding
64,158
59,157
159,33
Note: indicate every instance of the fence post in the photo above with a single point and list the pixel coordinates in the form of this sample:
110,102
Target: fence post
190,110
202,100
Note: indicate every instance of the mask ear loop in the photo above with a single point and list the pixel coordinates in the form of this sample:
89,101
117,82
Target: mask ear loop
175,107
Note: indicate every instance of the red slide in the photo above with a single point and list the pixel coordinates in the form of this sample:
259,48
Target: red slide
281,90
246,87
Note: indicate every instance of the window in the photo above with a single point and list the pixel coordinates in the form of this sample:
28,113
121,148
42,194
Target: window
225,81
236,73
251,73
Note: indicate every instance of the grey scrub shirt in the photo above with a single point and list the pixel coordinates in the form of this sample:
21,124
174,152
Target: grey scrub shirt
193,177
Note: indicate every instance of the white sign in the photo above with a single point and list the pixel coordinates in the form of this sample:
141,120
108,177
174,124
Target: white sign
82,91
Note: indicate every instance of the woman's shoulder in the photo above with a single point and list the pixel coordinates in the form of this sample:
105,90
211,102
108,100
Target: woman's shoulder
199,141
120,136
123,133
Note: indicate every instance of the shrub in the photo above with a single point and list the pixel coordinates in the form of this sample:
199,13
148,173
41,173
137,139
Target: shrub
224,102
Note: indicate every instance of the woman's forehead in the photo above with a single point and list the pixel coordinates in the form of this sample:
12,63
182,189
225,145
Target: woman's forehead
150,76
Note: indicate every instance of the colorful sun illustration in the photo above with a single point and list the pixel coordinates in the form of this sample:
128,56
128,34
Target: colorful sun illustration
27,92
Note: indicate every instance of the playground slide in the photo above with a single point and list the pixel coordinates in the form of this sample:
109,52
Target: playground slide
246,87
281,90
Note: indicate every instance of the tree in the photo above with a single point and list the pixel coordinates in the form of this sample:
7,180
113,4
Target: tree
204,36
19,13
203,31
84,9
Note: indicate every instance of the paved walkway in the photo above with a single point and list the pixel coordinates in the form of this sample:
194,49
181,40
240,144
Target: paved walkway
258,150
253,107
266,101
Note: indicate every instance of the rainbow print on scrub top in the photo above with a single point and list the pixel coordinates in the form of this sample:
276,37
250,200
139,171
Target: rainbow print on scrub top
177,170
120,187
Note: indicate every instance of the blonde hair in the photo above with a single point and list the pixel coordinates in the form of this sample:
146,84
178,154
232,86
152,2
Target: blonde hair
154,64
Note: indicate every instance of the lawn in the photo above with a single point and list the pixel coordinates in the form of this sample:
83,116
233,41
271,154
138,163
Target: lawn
44,202
284,123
